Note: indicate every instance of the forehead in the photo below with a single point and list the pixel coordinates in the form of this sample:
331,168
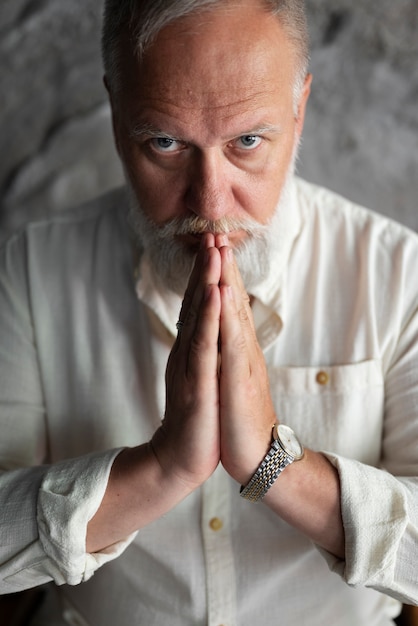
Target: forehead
222,63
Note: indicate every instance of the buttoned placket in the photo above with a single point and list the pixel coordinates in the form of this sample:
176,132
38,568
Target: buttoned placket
217,542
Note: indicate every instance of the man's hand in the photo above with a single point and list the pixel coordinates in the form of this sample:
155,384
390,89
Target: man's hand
307,494
187,444
215,416
149,480
246,409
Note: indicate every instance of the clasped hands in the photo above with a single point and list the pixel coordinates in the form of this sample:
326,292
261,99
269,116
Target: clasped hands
218,403
218,410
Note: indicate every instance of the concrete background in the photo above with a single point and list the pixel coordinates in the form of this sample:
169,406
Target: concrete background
361,136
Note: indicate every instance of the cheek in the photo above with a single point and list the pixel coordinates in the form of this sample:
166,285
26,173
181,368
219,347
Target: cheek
159,200
261,200
261,193
264,188
157,192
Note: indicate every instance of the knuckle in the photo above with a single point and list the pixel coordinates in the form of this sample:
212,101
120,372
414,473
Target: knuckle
243,315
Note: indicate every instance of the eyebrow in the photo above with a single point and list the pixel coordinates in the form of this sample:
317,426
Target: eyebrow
148,129
152,131
260,130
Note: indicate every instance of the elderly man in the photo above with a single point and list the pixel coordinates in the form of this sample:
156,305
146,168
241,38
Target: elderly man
249,455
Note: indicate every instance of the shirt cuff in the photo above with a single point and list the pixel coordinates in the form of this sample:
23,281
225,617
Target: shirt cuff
374,513
70,495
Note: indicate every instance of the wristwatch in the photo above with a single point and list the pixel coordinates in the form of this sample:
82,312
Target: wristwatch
285,449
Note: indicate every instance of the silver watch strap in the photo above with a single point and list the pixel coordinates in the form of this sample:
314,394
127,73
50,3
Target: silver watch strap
268,471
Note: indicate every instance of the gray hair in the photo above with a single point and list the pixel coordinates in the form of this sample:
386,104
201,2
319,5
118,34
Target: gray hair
144,19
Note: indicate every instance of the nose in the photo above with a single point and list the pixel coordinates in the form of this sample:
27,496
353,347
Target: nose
210,187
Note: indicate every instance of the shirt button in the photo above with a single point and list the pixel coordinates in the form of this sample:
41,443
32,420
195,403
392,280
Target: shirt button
216,524
73,618
322,378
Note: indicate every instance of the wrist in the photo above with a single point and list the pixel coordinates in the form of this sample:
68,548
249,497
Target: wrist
181,466
284,450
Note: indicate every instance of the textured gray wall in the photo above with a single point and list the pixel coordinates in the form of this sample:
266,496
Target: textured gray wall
361,135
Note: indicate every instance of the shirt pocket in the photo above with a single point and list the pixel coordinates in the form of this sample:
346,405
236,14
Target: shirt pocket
335,408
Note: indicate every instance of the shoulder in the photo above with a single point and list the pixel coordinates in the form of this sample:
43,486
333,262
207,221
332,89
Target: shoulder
80,222
317,201
75,238
332,215
109,207
358,253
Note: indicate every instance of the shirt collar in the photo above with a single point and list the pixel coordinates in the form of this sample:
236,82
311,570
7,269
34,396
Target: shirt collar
268,297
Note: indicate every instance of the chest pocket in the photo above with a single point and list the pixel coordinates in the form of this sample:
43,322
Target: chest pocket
336,409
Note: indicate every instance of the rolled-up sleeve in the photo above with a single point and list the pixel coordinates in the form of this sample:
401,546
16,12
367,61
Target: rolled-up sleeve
380,520
46,511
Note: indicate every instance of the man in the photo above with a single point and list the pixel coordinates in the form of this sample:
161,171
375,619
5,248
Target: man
283,472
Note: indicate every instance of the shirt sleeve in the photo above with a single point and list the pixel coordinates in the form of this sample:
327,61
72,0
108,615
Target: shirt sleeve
380,505
380,520
44,509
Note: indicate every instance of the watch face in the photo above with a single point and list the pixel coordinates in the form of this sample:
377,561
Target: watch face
289,442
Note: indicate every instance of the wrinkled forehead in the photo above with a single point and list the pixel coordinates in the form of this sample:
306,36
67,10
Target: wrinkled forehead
203,58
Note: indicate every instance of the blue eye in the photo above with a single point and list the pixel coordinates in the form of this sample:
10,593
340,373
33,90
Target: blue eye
165,144
249,142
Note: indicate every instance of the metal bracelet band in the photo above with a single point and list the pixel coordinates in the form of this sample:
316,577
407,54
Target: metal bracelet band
268,471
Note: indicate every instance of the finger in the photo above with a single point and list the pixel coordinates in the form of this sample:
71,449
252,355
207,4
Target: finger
234,324
202,362
231,277
207,241
231,274
196,312
200,317
210,272
195,277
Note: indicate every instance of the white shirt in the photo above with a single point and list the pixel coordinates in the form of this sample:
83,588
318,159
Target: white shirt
83,351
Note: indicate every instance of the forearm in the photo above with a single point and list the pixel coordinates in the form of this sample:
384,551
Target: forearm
141,488
307,496
139,491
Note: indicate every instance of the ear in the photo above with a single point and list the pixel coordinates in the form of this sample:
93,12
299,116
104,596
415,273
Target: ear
303,100
113,109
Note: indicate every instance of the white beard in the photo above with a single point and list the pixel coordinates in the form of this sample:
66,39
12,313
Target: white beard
172,261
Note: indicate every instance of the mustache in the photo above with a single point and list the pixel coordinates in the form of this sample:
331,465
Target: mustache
195,225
